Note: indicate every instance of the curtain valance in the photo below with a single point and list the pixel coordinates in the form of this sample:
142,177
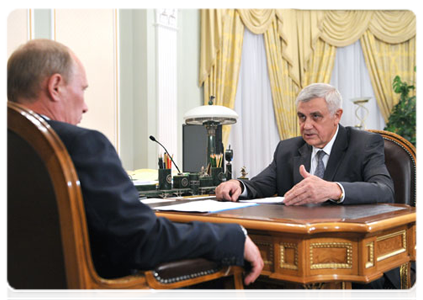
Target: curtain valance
257,20
301,49
342,28
300,29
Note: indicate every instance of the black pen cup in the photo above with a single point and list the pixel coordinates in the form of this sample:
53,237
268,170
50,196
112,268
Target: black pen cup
165,179
206,181
217,175
194,182
181,181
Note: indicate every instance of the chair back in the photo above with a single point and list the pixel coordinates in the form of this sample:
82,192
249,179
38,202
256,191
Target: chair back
400,159
48,245
47,237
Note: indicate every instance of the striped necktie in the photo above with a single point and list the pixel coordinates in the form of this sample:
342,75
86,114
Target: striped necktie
320,169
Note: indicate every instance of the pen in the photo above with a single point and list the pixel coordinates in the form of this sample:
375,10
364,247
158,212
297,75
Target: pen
160,162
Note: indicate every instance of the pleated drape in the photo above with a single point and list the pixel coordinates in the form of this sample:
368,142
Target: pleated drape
301,49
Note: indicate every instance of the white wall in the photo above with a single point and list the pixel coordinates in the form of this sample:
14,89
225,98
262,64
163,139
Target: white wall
18,29
118,49
91,34
190,95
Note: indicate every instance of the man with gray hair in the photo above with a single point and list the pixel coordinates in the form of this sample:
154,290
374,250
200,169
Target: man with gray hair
328,162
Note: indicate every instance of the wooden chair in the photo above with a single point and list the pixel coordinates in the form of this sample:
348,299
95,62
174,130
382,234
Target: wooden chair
48,244
403,162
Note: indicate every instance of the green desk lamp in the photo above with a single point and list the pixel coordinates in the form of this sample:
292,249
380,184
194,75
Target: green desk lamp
211,116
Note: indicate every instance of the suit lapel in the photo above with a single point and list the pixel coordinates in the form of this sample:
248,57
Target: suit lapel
304,158
337,154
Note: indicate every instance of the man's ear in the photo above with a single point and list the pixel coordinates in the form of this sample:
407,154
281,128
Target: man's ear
54,86
338,115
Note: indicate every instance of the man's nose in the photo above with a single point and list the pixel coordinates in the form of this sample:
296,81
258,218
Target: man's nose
308,124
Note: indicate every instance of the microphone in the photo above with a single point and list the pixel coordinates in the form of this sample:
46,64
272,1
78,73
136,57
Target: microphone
154,140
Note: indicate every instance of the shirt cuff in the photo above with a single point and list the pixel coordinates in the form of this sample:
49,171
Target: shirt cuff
244,193
343,194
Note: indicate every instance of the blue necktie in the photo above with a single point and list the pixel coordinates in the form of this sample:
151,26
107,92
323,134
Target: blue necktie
320,169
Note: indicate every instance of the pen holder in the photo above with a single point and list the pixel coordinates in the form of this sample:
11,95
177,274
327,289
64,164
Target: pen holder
217,175
180,181
165,179
206,181
194,182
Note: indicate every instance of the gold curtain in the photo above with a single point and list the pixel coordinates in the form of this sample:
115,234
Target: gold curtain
221,58
257,21
301,49
316,56
384,62
388,42
221,45
320,65
284,89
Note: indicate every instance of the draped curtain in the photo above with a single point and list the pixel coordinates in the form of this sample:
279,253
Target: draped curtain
388,42
222,34
351,77
254,104
301,49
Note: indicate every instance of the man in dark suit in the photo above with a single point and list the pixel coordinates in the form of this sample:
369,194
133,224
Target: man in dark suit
350,170
125,235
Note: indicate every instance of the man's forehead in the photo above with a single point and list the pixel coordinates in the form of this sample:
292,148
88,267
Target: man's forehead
313,105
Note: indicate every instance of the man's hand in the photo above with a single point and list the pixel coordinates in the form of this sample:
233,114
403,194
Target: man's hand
311,189
252,254
229,190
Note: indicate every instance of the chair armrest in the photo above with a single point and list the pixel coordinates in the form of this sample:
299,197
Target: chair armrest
184,269
166,277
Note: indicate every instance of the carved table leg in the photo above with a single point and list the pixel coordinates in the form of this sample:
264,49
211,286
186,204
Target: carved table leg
314,291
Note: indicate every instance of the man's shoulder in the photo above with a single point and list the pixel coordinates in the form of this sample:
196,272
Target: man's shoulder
290,146
360,137
297,141
69,129
359,133
70,133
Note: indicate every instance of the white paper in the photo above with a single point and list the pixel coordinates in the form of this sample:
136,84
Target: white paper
270,200
144,182
156,200
192,197
204,206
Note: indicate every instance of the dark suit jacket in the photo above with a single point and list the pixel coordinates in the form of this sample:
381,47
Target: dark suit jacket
357,161
125,235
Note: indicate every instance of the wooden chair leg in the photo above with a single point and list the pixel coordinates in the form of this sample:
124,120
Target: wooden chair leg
234,287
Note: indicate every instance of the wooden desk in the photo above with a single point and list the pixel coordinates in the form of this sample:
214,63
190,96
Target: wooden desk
331,244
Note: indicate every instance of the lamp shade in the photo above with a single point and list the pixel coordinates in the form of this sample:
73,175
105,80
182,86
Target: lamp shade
211,113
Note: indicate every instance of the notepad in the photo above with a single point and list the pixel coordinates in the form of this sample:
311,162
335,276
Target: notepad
204,206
